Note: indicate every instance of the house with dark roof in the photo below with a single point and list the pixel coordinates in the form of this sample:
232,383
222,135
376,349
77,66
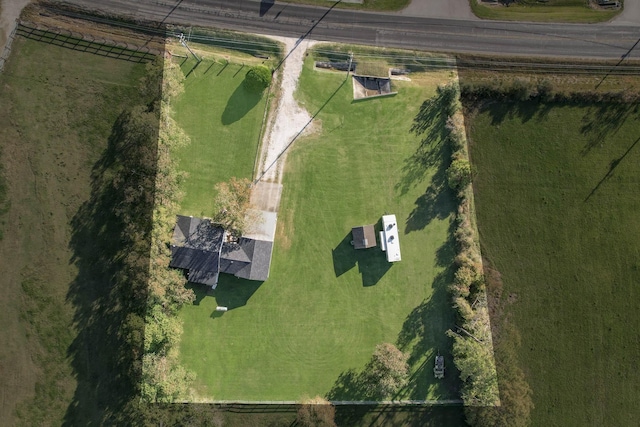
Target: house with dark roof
204,250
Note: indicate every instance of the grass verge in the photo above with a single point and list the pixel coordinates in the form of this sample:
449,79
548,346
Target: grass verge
547,11
555,198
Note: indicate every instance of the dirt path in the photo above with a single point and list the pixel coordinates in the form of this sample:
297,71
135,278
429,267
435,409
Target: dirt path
10,11
289,119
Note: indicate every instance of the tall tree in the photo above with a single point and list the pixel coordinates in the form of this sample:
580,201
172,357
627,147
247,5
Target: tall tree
388,370
258,78
232,205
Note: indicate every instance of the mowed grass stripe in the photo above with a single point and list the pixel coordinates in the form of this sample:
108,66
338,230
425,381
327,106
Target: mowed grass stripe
318,316
557,208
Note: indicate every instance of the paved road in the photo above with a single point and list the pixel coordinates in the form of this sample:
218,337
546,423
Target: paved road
391,30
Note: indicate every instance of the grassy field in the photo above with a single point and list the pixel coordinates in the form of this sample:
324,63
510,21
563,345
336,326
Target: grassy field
548,11
556,198
55,119
311,328
223,121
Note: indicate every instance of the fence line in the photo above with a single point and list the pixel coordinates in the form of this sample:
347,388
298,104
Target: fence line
445,402
86,43
7,47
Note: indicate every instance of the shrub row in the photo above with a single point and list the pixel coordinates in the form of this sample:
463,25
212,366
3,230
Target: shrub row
472,343
524,89
163,379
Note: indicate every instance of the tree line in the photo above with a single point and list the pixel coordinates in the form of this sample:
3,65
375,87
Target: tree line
473,346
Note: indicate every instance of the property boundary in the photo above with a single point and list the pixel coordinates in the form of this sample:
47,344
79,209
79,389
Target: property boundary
446,402
86,43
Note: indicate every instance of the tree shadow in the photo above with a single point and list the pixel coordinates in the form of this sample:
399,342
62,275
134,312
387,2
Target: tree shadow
372,263
400,416
239,104
433,151
430,125
424,331
424,334
437,202
352,386
111,238
524,110
612,167
603,120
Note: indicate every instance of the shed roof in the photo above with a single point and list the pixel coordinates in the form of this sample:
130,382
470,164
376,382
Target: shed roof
364,236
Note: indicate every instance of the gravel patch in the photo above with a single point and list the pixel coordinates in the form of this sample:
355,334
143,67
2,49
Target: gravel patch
289,120
10,12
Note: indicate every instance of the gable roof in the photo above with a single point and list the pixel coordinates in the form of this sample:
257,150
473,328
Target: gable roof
195,247
247,259
198,246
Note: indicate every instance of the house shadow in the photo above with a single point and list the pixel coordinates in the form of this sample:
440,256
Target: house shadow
240,103
372,263
232,292
200,291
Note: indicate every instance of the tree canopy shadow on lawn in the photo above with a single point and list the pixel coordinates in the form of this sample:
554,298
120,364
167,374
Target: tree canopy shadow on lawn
602,120
111,253
239,104
372,263
433,152
423,331
399,415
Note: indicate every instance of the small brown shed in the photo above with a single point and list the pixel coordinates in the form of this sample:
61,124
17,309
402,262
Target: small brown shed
363,237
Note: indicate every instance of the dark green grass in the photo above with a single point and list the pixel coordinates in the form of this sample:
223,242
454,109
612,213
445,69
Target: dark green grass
312,326
223,121
548,11
556,196
57,112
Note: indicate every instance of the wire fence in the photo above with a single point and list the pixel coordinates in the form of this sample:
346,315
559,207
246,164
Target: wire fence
284,404
86,43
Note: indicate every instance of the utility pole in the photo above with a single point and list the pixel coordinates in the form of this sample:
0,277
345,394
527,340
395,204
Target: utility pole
350,61
184,43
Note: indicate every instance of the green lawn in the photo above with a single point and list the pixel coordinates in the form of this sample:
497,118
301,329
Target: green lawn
311,328
223,121
557,205
548,11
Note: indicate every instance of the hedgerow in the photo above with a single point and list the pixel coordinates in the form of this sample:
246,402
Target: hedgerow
472,342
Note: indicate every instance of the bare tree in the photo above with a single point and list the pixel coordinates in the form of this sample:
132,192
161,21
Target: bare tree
316,412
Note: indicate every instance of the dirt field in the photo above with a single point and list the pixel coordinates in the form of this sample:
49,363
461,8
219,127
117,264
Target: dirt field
56,116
